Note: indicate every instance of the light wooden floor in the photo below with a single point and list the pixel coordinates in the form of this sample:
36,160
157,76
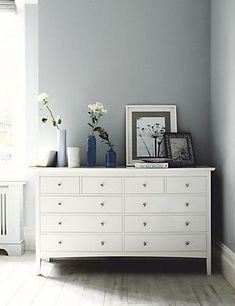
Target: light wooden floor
111,282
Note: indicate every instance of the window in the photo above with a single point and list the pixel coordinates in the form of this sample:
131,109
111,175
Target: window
12,89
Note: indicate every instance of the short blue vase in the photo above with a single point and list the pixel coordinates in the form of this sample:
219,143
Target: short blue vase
111,157
91,151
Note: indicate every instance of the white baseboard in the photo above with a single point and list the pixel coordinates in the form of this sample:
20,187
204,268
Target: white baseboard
225,261
29,236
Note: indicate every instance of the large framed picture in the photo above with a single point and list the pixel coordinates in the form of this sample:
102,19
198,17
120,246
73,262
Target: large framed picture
145,128
179,148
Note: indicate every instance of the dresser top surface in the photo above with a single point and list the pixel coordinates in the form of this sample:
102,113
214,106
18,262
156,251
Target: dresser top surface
123,171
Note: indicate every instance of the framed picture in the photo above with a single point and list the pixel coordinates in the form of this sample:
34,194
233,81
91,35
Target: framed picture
145,128
179,148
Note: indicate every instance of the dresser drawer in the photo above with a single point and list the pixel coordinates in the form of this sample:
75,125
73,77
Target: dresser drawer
148,224
59,185
186,185
71,223
101,185
66,204
170,204
144,185
81,243
165,243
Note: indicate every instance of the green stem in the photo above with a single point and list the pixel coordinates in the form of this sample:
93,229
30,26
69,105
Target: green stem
52,117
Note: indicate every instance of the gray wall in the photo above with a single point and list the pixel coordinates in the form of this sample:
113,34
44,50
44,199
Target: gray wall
125,52
222,116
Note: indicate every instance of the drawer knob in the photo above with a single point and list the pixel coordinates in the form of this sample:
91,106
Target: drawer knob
102,223
187,185
60,223
102,204
60,242
144,185
144,204
102,243
187,223
144,223
102,185
187,204
187,243
145,243
59,184
59,203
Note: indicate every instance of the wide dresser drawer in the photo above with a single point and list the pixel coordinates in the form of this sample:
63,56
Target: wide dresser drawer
165,243
59,185
168,204
81,243
72,223
101,185
186,184
144,185
142,224
69,204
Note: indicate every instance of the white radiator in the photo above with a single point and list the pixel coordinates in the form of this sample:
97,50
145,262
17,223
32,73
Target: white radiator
11,218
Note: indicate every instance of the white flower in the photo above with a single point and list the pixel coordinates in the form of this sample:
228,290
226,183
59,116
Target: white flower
97,108
43,98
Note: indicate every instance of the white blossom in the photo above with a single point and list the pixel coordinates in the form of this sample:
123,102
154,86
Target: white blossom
43,98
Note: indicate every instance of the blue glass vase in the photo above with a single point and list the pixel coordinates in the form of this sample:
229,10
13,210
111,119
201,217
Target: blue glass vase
91,151
111,157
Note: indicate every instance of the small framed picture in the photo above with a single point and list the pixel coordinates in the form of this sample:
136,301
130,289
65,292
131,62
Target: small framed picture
145,128
179,148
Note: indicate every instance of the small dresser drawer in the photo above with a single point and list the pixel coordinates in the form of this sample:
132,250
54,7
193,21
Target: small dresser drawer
144,185
186,185
150,224
165,243
81,243
66,204
59,185
71,223
170,204
101,185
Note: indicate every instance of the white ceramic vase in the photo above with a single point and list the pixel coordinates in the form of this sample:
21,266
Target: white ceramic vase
73,157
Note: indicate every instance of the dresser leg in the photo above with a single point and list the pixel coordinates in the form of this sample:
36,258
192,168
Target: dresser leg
38,266
208,266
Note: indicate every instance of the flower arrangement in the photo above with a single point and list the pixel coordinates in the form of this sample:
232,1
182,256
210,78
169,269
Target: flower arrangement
96,111
104,136
43,98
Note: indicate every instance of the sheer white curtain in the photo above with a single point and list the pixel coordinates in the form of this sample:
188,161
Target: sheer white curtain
12,89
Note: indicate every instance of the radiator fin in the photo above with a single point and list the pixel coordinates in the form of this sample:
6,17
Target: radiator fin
3,214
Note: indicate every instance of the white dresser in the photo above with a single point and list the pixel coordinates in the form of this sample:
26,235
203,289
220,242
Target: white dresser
91,212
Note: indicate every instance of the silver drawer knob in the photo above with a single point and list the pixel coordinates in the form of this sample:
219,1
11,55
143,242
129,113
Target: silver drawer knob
187,223
187,185
102,204
144,185
59,184
144,243
102,185
144,204
187,243
187,204
60,223
60,242
144,223
102,243
102,223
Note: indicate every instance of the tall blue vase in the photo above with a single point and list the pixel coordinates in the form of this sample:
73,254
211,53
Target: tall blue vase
62,160
111,157
91,151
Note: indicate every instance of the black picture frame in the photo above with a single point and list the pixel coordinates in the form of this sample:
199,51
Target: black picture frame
179,148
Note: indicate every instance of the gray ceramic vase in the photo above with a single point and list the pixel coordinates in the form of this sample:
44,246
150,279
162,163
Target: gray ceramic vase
62,160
